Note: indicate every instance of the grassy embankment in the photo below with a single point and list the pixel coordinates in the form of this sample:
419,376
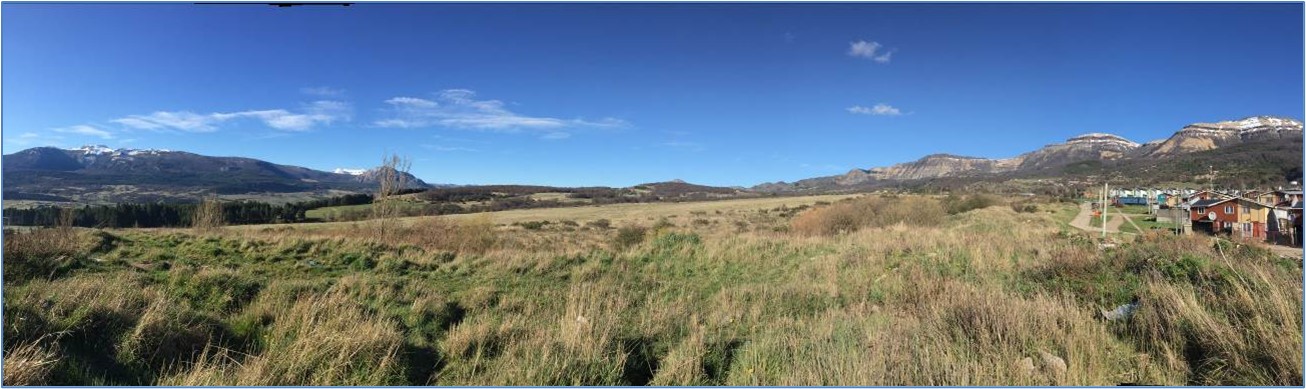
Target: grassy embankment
874,291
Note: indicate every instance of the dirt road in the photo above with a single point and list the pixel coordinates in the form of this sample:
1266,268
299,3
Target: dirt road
1082,220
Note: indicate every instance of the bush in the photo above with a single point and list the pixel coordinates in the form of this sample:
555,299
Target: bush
954,204
629,236
602,224
534,225
851,215
663,223
1024,207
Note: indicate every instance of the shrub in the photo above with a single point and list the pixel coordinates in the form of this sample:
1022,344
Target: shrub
602,224
629,236
534,225
663,223
851,215
954,204
1024,207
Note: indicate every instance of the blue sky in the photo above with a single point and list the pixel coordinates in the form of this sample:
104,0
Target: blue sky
621,94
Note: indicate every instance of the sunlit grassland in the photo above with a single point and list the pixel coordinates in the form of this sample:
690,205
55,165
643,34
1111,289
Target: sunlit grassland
748,292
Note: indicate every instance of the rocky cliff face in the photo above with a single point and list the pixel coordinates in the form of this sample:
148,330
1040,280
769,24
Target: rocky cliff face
1095,146
943,165
1209,136
1087,147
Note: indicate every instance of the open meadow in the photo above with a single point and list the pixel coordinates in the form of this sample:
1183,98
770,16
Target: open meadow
818,290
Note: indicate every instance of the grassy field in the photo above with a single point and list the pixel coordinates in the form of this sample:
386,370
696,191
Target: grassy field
628,212
1146,222
785,291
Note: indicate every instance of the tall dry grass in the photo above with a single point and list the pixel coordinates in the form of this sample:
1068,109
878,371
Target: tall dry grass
984,297
869,212
30,363
315,340
208,215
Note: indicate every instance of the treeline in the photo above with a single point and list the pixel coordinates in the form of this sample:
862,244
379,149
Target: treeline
151,215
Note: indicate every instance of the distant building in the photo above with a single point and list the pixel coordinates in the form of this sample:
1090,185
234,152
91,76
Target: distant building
1234,216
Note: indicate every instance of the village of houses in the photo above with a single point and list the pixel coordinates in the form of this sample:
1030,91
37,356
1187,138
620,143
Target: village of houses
1272,216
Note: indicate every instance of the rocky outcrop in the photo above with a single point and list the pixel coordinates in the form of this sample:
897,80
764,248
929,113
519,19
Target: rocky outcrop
1209,136
1094,146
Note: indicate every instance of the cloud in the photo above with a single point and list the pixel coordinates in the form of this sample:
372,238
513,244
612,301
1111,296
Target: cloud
459,108
683,145
322,91
32,138
321,112
884,58
878,110
556,136
182,121
83,129
448,148
869,50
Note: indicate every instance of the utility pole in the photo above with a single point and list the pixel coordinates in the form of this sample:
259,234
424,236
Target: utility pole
1211,177
1105,188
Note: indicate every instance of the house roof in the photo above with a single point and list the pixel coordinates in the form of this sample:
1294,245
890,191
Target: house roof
1253,201
1207,203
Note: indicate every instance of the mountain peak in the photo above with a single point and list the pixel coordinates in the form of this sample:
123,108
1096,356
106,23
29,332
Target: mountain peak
1101,137
102,149
352,172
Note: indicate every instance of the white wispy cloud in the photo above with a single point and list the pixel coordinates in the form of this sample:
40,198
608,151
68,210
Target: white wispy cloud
83,129
448,148
684,145
322,91
35,139
878,110
556,136
310,115
870,50
460,108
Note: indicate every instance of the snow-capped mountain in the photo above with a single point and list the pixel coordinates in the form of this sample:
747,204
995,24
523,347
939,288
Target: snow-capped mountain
352,172
1091,147
107,174
1208,136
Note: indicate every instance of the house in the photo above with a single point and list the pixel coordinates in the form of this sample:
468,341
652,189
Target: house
1284,197
1212,215
1252,218
1208,195
1235,216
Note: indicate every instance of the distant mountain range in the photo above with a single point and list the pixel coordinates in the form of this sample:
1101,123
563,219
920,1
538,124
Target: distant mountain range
1092,153
1256,149
100,174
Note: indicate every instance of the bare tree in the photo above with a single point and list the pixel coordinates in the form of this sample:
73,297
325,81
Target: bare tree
66,236
392,179
208,215
392,176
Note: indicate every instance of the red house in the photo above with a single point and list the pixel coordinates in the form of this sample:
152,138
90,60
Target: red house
1214,215
1236,216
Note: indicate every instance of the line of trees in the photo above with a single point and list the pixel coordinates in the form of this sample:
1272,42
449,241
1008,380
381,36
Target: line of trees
151,215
